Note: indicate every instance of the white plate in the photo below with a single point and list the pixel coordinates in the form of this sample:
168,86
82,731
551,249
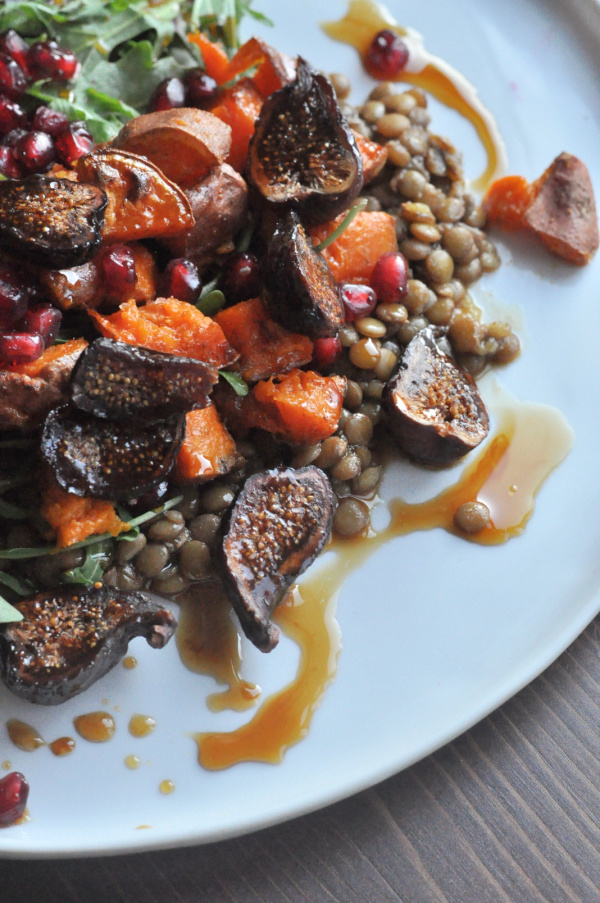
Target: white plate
436,631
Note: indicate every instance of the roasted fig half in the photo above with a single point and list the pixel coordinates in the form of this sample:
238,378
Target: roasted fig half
54,222
277,527
106,459
303,151
301,292
72,636
119,381
435,410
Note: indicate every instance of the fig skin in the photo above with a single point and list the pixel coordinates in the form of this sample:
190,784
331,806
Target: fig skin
72,636
278,525
435,411
301,292
303,154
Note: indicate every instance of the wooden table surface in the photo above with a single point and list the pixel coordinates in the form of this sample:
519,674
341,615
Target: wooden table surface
508,812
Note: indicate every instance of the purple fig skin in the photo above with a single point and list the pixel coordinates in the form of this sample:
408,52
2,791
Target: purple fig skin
435,411
72,636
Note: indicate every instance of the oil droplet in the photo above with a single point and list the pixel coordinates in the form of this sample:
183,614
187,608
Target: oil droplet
97,727
166,787
23,735
142,827
133,762
141,725
130,662
208,643
63,746
6,765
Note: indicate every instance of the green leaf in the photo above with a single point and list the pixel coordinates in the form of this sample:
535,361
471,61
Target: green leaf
14,512
238,384
20,587
356,208
97,557
8,614
211,303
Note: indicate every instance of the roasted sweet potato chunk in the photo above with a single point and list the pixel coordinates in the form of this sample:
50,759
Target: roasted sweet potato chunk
142,202
54,222
208,450
119,381
71,637
106,459
184,143
277,527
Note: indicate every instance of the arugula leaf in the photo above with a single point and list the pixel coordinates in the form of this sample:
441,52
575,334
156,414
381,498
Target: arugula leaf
20,587
96,560
237,383
211,303
8,614
14,512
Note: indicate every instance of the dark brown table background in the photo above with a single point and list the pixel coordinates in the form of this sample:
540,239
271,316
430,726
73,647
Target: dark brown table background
508,813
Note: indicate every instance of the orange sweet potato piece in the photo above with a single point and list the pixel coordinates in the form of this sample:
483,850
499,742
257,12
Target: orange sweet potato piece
275,69
216,61
50,356
352,256
506,201
73,518
171,326
563,211
374,156
265,347
207,450
142,203
239,107
184,143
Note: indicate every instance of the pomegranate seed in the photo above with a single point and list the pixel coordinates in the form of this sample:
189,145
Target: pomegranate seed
13,80
389,278
73,142
241,277
13,136
14,46
20,347
44,321
387,55
169,95
359,301
8,164
14,791
47,60
325,351
200,88
35,152
45,119
181,280
118,268
12,115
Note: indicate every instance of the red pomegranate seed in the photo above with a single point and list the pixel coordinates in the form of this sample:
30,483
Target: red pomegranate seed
359,301
12,115
325,351
44,321
13,80
13,136
241,277
14,46
387,55
73,142
14,791
35,152
169,95
200,88
20,347
118,267
389,278
8,164
181,280
45,119
47,60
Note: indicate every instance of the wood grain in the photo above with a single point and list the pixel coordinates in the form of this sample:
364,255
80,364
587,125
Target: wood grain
508,813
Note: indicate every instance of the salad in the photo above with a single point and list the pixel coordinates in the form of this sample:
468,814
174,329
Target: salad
223,297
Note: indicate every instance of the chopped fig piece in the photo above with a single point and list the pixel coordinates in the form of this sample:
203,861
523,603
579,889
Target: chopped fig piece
109,460
563,211
71,637
277,527
119,381
303,152
436,412
142,202
184,143
302,293
56,222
